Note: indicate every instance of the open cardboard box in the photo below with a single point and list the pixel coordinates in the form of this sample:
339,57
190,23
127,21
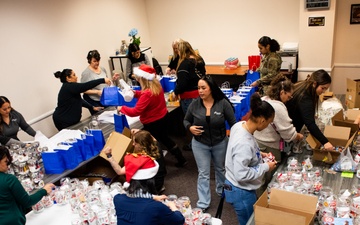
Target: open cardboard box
352,99
120,144
337,136
100,168
352,114
348,121
285,208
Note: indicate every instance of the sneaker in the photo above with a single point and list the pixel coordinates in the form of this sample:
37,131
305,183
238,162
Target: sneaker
204,209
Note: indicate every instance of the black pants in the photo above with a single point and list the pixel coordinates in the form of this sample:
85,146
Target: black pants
158,129
92,102
160,175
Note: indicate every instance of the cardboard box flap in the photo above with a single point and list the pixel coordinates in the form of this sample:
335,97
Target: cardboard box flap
339,120
293,201
326,95
337,132
120,144
313,142
352,114
337,117
350,140
262,200
266,216
353,127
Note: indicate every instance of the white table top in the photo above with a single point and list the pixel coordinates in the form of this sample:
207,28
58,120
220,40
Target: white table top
62,215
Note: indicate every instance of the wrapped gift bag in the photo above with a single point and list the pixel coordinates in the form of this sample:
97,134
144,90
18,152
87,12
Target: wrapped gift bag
111,97
120,122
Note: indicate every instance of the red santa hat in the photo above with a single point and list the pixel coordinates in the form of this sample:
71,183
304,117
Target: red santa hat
139,167
145,71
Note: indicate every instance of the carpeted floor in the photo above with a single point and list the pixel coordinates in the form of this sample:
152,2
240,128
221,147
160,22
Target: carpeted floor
183,182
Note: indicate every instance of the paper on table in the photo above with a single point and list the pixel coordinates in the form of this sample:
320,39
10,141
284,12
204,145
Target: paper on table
108,117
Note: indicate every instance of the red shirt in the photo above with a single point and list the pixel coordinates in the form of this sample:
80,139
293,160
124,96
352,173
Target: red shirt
149,107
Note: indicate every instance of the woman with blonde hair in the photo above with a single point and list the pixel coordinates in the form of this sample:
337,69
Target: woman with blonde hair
190,69
171,69
151,107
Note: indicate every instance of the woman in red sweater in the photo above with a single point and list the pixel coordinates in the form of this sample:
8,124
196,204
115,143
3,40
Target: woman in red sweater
151,107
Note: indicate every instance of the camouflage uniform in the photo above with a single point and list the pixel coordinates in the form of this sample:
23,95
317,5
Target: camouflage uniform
269,67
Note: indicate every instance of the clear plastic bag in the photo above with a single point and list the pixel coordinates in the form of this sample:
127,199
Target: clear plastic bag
345,162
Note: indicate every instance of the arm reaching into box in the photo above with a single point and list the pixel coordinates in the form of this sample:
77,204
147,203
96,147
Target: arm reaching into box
117,168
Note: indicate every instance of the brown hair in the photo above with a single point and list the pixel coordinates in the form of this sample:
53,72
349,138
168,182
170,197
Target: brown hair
147,142
280,82
319,77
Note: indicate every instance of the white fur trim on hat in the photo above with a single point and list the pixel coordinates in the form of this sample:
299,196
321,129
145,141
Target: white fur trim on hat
141,73
148,173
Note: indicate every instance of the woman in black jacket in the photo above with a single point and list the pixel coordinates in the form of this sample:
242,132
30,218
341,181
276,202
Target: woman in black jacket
191,67
68,110
303,105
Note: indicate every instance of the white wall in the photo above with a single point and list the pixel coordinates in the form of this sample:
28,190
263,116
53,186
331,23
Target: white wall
221,29
39,37
316,42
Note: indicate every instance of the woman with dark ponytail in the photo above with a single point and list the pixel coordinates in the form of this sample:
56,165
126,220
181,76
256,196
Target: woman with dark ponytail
68,110
243,164
270,63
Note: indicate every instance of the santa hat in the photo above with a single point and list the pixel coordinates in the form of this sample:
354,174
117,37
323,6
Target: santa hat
145,71
139,167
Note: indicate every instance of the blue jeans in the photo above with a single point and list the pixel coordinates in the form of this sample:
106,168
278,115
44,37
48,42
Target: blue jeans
184,103
242,200
203,155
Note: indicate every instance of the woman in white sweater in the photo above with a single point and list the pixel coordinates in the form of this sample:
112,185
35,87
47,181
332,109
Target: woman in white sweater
281,129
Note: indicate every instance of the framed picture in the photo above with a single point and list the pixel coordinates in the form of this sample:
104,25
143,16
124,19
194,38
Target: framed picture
355,14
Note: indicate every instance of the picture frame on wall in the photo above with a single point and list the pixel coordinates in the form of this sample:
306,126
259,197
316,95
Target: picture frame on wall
355,14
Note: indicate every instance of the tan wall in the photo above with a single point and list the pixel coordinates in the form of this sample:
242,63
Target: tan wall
346,47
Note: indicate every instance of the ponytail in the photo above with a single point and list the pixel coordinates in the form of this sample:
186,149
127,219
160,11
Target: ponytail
260,108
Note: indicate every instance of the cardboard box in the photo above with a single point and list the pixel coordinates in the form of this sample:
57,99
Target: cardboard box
352,114
348,121
120,144
337,136
352,99
285,208
326,95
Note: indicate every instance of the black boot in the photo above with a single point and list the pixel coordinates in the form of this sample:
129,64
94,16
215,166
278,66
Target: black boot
179,157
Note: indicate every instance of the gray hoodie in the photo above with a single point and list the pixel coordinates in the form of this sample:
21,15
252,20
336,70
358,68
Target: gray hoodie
243,163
